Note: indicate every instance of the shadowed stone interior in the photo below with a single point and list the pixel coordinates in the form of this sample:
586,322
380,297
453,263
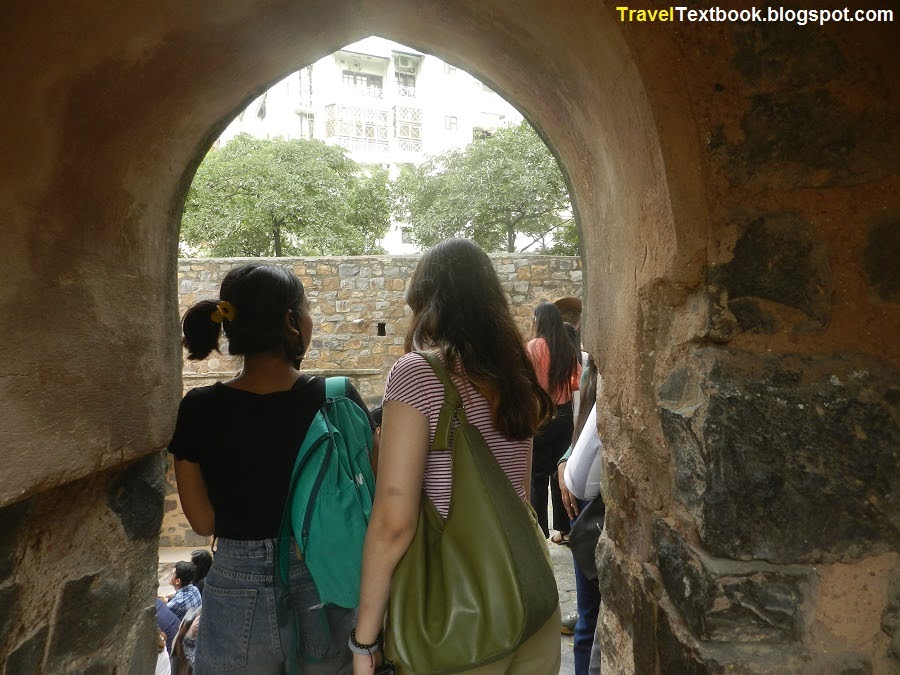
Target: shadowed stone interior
726,601
787,460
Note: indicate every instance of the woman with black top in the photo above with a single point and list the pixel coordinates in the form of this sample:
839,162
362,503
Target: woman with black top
556,362
235,443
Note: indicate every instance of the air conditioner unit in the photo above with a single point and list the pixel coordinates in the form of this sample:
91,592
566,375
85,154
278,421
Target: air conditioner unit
406,64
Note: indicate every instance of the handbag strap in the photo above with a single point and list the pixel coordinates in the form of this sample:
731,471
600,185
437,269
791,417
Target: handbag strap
452,406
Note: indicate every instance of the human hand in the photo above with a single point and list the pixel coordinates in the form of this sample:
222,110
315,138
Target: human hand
570,502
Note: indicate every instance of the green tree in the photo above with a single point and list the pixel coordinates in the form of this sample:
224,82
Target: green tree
258,197
565,240
497,188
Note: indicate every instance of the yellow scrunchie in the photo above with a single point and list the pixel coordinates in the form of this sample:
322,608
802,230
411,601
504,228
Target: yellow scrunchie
224,312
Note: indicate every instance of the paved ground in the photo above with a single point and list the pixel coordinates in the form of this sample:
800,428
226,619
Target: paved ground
562,567
565,581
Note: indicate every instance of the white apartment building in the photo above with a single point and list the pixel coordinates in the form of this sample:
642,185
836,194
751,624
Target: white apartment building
385,103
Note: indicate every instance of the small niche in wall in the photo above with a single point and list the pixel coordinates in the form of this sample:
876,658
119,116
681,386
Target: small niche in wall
382,329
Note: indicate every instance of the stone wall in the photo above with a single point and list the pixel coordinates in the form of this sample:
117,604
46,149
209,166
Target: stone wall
751,421
352,301
76,589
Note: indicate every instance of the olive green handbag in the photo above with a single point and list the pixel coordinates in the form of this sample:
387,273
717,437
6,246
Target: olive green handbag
472,588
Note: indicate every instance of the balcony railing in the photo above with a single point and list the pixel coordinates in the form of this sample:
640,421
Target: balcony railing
409,145
404,91
365,92
362,144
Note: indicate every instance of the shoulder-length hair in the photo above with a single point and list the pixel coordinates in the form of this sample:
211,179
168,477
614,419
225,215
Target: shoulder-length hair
564,355
460,309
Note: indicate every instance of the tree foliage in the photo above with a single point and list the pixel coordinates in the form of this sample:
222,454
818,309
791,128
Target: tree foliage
277,197
491,191
565,240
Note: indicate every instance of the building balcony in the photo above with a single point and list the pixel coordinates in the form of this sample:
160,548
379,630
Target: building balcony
362,144
404,91
409,145
376,93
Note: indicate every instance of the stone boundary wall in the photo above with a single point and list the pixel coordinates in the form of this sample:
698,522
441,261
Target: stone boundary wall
353,299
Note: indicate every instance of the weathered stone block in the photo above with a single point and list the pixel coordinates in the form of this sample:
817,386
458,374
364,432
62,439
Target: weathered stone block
880,259
777,259
767,52
90,605
12,521
890,622
788,459
728,601
631,594
28,655
639,617
137,496
681,654
9,596
812,129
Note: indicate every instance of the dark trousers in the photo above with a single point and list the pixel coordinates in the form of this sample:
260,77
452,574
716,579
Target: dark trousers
550,444
587,600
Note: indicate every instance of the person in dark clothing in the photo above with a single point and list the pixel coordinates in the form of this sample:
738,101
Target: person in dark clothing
167,622
234,444
202,559
556,361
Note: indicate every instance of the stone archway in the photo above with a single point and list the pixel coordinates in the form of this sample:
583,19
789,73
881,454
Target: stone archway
736,189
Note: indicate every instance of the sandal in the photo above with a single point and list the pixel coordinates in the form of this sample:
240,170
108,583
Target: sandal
560,538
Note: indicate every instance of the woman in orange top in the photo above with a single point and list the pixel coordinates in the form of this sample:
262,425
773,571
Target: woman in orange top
557,364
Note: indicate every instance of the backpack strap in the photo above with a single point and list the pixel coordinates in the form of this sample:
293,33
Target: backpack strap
335,387
452,402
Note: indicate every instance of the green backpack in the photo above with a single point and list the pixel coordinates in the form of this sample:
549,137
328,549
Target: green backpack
330,499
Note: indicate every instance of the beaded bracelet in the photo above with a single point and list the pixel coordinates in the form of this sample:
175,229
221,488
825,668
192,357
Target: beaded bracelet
363,649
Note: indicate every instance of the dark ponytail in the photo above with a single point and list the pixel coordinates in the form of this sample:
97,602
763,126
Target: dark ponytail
201,333
256,297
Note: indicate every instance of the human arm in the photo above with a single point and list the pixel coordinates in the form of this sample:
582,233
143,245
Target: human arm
194,497
187,447
394,518
568,499
582,471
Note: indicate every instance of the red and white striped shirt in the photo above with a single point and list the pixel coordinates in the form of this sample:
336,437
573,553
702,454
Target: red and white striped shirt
412,381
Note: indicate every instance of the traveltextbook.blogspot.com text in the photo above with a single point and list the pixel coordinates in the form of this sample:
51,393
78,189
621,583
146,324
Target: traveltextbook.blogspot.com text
800,17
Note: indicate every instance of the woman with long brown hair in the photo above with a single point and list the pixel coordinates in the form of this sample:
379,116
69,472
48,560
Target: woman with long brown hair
556,361
460,313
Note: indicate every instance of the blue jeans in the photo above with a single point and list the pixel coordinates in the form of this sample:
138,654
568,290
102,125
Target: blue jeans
587,600
240,631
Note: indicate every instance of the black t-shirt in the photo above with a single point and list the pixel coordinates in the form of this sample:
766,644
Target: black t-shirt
246,444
